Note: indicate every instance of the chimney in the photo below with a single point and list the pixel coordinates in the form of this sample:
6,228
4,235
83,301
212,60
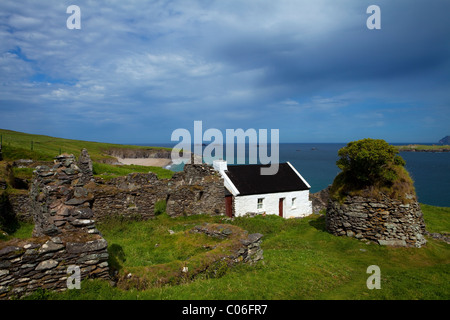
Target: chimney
220,165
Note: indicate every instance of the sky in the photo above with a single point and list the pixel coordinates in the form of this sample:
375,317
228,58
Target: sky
138,70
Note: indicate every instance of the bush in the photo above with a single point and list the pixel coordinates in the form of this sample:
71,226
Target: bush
369,161
371,166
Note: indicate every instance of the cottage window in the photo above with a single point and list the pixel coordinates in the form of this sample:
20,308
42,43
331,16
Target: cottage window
294,200
260,203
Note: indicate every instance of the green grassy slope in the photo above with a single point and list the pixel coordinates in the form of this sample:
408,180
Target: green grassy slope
19,145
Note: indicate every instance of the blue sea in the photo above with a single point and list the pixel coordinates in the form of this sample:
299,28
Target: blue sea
316,162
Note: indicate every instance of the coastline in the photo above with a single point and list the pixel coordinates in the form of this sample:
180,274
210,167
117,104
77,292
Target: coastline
148,162
165,163
423,148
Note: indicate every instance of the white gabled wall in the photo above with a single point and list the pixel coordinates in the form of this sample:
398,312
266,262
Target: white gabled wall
302,208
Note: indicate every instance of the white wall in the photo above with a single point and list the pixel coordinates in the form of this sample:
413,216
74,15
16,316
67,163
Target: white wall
302,208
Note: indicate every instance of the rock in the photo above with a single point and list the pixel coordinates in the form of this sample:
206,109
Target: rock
82,213
394,243
10,251
50,246
76,201
356,214
3,273
56,240
438,236
227,232
377,205
82,222
75,247
320,200
80,192
47,264
347,224
50,230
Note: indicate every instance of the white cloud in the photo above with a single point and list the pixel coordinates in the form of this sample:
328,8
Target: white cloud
22,22
179,60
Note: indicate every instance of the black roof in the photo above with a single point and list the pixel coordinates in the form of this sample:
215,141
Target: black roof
248,179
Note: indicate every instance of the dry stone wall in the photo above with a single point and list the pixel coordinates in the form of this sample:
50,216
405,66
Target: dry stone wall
196,190
43,262
386,221
199,189
19,205
64,234
59,200
132,195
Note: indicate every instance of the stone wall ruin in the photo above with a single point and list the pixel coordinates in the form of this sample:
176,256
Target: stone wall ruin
64,234
198,189
386,221
65,200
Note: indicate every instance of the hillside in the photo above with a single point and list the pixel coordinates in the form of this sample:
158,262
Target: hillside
41,149
445,140
19,145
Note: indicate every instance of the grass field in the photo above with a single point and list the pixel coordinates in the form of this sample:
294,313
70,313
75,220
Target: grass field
421,147
19,145
107,171
301,261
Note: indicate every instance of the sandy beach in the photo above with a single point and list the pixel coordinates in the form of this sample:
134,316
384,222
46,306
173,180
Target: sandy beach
153,162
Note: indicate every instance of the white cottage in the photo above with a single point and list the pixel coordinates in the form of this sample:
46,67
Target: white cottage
285,193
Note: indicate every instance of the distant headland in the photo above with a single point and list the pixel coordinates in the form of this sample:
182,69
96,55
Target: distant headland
442,146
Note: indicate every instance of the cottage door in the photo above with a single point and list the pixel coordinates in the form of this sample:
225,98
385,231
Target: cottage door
280,207
229,206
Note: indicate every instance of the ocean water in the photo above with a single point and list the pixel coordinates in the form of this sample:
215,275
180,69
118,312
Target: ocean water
316,162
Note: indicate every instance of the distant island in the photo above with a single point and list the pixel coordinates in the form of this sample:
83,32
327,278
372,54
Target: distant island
423,148
444,146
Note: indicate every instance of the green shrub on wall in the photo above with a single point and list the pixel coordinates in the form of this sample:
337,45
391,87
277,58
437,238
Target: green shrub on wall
372,165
